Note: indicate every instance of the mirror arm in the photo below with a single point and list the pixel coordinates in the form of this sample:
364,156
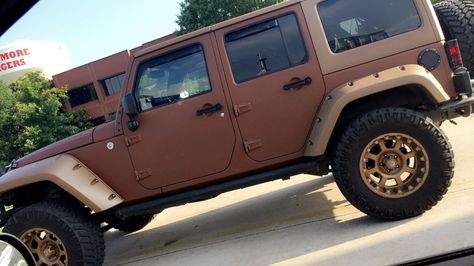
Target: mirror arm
131,109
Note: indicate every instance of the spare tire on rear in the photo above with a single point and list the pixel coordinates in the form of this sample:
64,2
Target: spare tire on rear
457,20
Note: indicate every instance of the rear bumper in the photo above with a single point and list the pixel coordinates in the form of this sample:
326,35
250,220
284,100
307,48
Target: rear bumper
462,106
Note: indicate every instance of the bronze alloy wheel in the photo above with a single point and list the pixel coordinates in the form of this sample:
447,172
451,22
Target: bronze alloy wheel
47,248
394,165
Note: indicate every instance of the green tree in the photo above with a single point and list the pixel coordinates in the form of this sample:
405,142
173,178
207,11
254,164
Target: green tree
32,116
197,14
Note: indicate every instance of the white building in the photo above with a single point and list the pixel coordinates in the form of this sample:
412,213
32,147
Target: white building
20,57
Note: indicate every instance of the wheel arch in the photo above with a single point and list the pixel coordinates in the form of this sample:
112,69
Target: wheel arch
35,192
62,174
400,86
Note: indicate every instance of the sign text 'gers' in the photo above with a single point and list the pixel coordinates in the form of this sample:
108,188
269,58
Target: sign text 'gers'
13,59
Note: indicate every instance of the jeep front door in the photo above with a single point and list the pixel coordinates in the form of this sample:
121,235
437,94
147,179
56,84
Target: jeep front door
184,131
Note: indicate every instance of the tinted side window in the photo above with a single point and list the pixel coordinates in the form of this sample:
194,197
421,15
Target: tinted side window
265,48
350,24
172,77
82,95
113,85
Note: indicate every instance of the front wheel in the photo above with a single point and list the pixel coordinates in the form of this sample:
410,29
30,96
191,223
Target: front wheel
393,163
58,233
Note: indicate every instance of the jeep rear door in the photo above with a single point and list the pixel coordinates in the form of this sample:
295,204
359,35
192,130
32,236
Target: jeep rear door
185,131
274,80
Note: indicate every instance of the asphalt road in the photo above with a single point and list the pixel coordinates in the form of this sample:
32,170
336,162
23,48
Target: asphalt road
304,221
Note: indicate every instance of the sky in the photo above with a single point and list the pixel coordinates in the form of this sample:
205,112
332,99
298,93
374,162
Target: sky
93,29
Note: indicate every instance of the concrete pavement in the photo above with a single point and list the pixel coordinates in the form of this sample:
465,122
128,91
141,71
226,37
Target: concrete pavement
304,221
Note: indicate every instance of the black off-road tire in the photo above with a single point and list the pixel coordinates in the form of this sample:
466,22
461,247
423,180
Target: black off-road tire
79,234
457,20
353,144
132,224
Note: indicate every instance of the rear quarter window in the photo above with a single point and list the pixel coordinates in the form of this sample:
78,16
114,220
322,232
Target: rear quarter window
351,24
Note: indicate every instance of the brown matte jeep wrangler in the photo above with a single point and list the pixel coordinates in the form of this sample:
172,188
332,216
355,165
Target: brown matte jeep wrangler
305,86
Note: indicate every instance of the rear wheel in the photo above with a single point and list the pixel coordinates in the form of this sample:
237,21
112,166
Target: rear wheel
457,20
393,163
58,233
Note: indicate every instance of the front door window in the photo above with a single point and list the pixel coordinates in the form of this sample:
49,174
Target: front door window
173,77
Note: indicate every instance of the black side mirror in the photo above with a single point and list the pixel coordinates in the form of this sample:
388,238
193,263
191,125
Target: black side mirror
130,106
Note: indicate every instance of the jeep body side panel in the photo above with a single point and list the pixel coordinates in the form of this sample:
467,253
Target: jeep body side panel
82,139
68,173
109,159
442,73
433,19
104,132
384,80
332,62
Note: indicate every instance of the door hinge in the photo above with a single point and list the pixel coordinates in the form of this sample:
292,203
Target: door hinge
242,108
134,139
252,145
143,174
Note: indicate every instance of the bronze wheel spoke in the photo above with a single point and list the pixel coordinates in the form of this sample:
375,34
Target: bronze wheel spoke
410,170
383,147
408,156
49,236
372,156
42,261
399,181
36,238
383,182
370,172
398,145
32,249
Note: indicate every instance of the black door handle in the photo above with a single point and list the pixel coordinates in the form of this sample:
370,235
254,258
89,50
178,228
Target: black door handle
298,83
209,109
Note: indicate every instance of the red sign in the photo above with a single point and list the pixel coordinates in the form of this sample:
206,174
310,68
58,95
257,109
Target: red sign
13,59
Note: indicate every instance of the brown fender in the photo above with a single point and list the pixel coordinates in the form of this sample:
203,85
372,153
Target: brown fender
68,173
347,93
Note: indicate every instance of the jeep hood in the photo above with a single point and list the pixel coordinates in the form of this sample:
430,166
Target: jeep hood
82,139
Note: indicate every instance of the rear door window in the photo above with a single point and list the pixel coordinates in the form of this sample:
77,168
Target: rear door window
265,48
351,24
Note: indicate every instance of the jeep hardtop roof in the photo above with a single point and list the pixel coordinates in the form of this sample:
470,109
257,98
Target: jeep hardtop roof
217,26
